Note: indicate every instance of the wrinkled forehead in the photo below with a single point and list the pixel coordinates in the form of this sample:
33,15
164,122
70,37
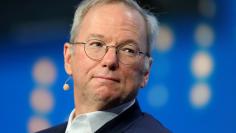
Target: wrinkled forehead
118,7
115,16
126,4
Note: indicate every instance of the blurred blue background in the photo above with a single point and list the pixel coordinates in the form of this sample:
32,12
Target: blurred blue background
192,83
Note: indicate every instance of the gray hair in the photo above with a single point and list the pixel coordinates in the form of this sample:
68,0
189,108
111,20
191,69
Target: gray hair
86,5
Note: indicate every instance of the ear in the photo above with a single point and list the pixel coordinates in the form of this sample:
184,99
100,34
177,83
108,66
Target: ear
68,58
147,67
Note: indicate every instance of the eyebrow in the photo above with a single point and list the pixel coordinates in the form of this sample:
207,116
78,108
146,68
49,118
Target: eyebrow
128,42
99,36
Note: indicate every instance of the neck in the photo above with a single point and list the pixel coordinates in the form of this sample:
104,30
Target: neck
86,106
82,107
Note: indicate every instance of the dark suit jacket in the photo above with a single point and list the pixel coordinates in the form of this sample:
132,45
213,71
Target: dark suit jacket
130,121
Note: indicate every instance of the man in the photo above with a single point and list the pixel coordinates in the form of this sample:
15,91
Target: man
108,57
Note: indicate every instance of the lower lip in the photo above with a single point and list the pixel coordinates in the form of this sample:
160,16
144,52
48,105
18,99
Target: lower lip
106,79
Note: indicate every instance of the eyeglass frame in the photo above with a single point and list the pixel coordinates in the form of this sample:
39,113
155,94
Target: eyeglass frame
138,52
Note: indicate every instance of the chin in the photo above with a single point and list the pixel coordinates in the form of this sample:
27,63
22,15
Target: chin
106,96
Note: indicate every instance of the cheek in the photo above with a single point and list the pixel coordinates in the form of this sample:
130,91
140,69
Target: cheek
81,71
133,77
81,62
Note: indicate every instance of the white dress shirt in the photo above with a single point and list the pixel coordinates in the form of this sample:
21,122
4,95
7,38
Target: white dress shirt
91,122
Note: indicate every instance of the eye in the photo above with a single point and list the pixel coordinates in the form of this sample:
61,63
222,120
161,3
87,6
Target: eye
95,44
128,50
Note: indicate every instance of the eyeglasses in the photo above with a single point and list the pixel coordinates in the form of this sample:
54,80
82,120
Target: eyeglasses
127,53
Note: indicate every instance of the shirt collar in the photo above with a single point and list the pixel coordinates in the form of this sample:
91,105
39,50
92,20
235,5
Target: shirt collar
91,122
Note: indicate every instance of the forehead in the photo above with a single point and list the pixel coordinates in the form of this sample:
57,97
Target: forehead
113,21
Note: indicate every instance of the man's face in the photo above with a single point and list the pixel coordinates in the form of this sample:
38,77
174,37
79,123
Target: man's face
107,81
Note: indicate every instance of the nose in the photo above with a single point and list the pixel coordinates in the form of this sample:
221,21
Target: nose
110,60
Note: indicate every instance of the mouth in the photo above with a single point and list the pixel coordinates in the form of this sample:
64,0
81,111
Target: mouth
107,78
